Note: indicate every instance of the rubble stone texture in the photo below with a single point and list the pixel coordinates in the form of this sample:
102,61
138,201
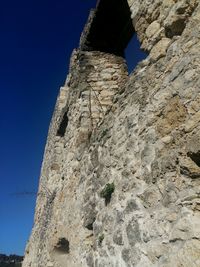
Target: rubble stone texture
140,132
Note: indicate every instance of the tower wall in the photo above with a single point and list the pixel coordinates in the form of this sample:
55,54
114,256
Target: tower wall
120,184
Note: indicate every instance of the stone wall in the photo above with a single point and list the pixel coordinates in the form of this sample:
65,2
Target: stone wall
105,74
120,181
156,20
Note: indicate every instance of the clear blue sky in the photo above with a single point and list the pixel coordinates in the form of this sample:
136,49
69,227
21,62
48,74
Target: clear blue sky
37,38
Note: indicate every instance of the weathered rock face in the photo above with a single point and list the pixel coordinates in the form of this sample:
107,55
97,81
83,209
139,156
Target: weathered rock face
120,181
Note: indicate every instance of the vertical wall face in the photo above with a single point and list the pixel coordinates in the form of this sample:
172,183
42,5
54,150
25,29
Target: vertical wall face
157,20
134,141
105,75
61,219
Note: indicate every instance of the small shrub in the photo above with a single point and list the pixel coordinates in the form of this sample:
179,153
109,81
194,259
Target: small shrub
101,238
104,132
107,191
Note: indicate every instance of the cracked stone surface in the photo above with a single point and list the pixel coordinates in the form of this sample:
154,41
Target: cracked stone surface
140,132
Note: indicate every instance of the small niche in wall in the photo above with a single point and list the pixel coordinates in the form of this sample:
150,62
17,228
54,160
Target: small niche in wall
195,157
63,125
62,246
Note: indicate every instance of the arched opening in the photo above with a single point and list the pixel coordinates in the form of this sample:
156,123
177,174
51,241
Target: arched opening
111,30
102,57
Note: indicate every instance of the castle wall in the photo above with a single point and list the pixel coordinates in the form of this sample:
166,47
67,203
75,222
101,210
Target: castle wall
139,133
105,75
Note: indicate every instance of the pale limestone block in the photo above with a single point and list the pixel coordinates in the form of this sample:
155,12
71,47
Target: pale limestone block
106,93
160,49
153,28
192,122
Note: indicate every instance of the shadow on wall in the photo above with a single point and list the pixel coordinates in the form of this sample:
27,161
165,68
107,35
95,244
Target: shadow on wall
133,53
17,264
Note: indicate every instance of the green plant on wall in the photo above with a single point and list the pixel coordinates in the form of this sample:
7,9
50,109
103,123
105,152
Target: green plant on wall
107,191
100,239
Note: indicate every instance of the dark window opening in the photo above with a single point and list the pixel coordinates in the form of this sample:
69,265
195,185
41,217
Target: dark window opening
90,223
176,28
62,245
90,226
111,28
195,157
134,54
63,125
111,31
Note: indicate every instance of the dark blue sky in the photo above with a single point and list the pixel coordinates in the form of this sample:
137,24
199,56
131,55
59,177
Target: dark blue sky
37,38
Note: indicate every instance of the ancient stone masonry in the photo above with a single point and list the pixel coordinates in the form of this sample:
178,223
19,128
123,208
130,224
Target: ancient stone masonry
120,180
104,75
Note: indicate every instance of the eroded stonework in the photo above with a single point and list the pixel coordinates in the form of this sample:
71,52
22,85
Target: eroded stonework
140,132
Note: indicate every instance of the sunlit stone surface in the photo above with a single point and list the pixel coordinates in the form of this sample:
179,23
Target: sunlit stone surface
133,140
